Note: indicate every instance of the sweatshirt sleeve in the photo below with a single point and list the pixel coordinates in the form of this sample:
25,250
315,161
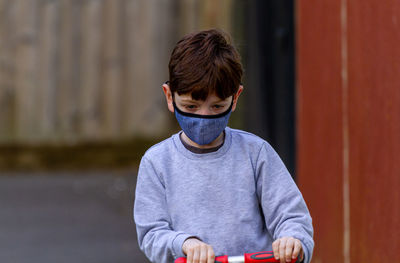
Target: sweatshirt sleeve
285,211
156,237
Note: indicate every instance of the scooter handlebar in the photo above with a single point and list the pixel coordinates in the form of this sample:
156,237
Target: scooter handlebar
257,257
221,259
262,257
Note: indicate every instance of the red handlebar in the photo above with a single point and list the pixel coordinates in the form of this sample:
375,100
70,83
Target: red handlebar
262,257
221,259
258,257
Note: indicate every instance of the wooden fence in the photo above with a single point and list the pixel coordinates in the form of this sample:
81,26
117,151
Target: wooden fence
79,70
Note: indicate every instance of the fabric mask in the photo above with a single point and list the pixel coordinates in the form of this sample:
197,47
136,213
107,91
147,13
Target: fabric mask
202,129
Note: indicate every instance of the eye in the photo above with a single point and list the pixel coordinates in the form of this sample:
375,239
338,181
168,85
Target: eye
218,106
190,106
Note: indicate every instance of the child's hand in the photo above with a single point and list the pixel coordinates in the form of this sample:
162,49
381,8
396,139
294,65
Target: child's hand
287,248
197,251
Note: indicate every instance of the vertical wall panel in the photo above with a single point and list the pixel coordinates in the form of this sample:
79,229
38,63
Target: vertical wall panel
68,82
367,96
26,70
89,95
7,69
320,123
190,7
374,118
48,37
112,67
141,89
215,13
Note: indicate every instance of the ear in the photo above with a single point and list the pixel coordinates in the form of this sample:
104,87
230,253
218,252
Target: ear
168,97
236,97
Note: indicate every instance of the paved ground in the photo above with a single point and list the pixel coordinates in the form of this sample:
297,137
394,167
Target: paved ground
71,218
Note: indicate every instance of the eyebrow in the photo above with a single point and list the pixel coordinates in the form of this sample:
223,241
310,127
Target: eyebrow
189,100
196,101
225,100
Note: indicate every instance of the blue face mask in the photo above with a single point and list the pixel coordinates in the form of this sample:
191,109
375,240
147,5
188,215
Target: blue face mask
202,129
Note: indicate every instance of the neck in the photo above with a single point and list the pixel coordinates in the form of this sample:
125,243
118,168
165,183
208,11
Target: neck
218,141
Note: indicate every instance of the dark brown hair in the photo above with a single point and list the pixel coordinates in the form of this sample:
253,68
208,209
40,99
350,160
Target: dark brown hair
203,63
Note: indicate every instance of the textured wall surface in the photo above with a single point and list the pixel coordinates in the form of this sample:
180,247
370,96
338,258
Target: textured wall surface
349,127
73,71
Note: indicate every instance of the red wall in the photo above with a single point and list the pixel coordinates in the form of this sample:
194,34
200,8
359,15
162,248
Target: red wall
348,90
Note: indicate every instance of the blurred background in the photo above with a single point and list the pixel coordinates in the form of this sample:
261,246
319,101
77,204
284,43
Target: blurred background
81,101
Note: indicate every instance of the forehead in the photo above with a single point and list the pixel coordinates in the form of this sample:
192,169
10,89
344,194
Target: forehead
188,97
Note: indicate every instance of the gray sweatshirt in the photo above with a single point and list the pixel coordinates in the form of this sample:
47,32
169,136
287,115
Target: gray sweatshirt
238,199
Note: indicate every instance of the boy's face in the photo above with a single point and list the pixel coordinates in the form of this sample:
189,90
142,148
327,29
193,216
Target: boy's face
199,130
211,106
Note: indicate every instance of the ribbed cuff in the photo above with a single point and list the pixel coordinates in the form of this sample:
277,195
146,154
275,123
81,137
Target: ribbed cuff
307,248
177,244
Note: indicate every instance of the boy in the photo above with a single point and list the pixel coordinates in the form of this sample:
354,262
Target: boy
210,190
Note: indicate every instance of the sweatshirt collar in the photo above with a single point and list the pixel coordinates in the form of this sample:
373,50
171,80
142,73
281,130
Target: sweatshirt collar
203,156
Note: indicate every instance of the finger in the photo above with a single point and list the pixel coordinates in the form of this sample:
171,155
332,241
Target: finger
282,247
211,255
289,249
189,256
203,254
196,255
296,250
275,248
